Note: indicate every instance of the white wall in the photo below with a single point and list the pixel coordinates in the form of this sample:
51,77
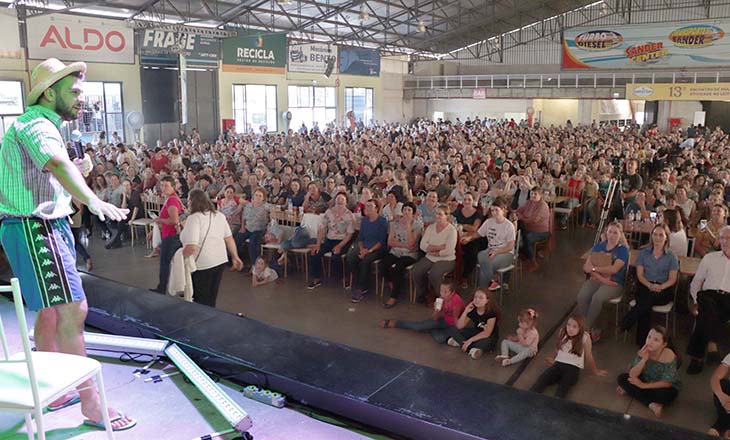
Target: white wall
556,111
685,110
461,108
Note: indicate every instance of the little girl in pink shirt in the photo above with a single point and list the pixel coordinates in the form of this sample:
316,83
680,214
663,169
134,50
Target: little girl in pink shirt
524,343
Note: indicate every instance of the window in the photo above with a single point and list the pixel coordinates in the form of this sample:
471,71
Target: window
11,104
254,108
360,101
309,104
103,111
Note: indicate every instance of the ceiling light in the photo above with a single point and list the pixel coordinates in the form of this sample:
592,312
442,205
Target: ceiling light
284,2
421,26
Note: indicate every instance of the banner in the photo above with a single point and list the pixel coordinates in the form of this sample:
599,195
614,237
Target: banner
679,92
10,43
480,93
359,61
11,98
311,58
256,53
74,38
163,47
647,46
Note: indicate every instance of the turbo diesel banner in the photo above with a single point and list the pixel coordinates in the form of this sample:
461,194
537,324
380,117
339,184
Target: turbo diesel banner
256,53
648,46
311,58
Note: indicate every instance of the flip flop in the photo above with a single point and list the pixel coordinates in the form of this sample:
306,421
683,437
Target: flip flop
72,401
100,424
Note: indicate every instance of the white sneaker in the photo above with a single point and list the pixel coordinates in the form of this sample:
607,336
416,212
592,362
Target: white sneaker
452,342
475,353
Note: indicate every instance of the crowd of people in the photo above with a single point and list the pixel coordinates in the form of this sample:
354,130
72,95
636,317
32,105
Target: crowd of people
445,203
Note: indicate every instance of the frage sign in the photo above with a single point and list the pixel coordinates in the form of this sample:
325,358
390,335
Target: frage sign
74,38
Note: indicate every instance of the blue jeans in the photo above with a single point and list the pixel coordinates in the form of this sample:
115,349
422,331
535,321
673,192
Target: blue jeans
487,266
438,329
315,261
529,243
168,247
522,352
299,240
589,213
254,243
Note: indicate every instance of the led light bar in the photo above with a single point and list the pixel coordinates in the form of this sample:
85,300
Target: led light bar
123,344
229,409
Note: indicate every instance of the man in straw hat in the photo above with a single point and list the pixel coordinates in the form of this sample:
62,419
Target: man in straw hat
37,182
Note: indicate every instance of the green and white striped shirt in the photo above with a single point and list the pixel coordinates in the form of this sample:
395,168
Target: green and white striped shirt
27,188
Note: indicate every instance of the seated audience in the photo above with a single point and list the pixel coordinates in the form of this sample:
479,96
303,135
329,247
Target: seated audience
711,303
469,219
477,329
657,268
403,237
254,220
523,342
371,245
653,377
606,268
427,209
708,237
335,234
534,222
500,234
720,385
573,351
446,312
439,244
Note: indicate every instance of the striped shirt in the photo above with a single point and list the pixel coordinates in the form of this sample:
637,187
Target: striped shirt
27,189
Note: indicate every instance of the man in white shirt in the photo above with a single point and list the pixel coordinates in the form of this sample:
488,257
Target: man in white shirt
710,292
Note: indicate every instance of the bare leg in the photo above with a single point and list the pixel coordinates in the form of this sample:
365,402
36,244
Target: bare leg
70,340
45,340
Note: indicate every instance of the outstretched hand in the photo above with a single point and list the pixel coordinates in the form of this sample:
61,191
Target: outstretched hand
106,211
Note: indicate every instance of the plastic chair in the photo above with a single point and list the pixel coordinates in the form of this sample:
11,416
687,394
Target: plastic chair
31,380
151,205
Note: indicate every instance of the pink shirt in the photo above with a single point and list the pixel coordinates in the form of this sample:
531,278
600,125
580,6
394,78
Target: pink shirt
451,304
528,338
167,230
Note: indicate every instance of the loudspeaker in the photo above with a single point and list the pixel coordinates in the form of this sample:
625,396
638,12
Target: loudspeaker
330,67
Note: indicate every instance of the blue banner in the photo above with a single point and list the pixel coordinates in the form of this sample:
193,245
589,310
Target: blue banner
359,61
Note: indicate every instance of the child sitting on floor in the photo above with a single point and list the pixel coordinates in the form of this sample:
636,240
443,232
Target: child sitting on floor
262,274
574,351
477,329
524,343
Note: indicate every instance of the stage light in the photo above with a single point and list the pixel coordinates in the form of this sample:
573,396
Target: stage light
229,409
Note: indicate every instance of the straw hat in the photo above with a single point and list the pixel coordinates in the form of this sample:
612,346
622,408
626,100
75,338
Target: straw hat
48,73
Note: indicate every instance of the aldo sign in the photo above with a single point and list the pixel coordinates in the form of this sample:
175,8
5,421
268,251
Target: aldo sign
73,38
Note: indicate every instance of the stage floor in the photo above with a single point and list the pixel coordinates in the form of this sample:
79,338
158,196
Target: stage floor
171,410
327,313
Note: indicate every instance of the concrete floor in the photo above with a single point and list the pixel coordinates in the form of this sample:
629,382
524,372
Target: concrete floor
328,313
170,410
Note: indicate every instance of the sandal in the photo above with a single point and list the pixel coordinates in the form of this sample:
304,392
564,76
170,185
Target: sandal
120,416
72,401
387,323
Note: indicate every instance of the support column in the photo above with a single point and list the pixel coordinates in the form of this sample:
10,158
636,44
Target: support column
663,115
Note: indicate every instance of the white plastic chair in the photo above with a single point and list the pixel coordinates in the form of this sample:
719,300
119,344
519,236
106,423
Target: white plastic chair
29,381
